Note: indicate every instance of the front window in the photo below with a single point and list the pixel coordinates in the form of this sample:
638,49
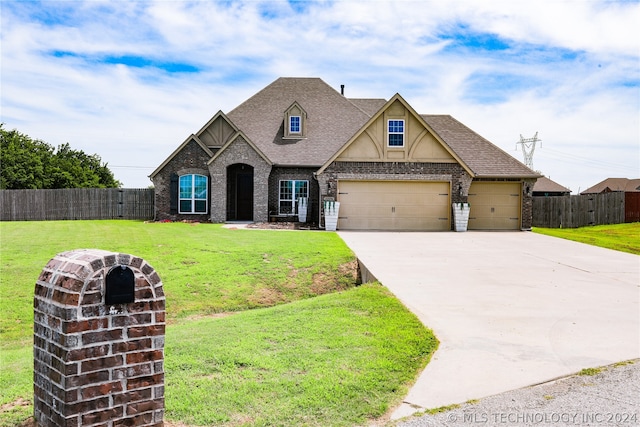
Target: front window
294,124
193,194
290,191
396,133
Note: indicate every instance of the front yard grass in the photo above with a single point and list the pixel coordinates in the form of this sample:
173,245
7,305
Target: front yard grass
324,353
620,237
338,360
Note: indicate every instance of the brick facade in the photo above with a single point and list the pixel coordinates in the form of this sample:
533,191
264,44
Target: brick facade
191,159
94,364
527,204
240,152
450,172
281,173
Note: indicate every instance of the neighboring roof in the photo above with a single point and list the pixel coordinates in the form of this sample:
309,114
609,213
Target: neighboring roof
482,157
614,184
331,120
545,185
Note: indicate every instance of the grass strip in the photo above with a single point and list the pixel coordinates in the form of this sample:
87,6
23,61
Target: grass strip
619,237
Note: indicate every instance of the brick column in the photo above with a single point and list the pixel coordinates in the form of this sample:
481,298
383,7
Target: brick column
97,364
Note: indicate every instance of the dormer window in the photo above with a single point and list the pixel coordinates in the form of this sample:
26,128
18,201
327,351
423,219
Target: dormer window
295,122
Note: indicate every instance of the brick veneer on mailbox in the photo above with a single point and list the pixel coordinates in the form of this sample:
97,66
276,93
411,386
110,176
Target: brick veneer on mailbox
97,365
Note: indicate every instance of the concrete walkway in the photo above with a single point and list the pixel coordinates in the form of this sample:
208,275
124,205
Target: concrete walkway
510,309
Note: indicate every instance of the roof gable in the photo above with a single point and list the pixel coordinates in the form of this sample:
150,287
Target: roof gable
295,110
238,135
191,138
331,120
217,131
421,144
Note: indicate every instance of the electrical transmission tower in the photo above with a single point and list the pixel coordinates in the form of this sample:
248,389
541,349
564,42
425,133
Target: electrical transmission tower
528,147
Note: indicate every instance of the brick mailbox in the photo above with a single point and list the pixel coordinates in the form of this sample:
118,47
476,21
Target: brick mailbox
99,325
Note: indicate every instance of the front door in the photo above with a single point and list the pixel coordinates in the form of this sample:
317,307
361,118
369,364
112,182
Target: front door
240,193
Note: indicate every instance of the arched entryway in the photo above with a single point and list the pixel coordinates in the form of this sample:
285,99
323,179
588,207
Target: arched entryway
240,192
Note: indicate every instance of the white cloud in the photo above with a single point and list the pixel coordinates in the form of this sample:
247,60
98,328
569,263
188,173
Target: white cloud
568,69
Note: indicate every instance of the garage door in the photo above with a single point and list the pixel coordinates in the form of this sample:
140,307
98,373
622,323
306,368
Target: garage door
494,206
394,205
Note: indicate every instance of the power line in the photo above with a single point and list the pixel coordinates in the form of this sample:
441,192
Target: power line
573,158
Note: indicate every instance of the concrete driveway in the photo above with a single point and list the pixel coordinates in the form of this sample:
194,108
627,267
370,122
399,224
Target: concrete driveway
510,309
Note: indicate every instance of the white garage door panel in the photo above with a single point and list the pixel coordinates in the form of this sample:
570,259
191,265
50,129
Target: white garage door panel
394,205
494,206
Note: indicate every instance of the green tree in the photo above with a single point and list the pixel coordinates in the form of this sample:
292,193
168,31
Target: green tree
24,162
29,163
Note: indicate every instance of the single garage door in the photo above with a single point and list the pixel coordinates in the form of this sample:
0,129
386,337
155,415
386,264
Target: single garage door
394,205
494,206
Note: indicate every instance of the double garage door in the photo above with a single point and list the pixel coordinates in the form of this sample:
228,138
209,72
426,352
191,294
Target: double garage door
425,205
394,205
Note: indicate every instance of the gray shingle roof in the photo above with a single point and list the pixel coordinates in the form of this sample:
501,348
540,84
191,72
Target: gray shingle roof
369,106
615,184
331,120
544,184
481,156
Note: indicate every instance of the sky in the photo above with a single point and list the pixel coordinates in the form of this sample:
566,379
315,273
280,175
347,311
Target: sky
131,80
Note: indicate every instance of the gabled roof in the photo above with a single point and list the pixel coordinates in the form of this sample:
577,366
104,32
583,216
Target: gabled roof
396,98
545,185
239,134
191,137
614,184
482,157
331,120
204,134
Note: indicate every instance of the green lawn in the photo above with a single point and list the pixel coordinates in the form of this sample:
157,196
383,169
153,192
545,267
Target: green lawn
305,347
338,360
620,237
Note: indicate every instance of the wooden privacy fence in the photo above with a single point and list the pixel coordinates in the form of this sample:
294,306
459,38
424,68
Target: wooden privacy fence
76,203
579,211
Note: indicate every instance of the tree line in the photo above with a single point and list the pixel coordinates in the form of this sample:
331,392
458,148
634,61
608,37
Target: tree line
27,163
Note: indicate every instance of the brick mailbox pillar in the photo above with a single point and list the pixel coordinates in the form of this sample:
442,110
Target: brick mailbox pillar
99,325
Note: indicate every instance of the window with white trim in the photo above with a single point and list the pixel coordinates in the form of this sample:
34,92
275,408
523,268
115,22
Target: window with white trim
193,190
289,193
395,133
295,124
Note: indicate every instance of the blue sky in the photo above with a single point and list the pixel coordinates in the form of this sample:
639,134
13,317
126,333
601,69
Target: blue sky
131,80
